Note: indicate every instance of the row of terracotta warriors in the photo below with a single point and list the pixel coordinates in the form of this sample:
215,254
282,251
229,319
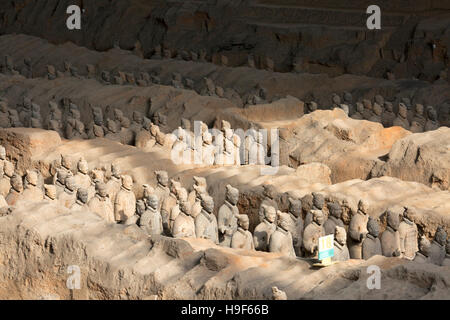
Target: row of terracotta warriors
171,210
412,118
140,131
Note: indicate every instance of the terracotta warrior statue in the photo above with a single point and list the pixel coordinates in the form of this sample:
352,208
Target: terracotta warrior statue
227,217
242,238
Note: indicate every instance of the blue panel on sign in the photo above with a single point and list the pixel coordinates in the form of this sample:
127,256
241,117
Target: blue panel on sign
326,254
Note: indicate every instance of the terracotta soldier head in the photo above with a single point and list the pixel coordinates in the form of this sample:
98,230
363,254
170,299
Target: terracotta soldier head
270,213
269,191
185,207
318,217
335,210
295,207
232,195
83,166
243,221
283,220
101,189
115,170
82,195
318,200
140,207
127,182
207,204
162,178
66,162
152,201
363,207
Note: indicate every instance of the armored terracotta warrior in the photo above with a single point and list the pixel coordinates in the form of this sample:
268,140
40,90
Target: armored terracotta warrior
358,115
437,247
196,207
144,139
206,222
198,181
242,238
82,178
14,118
340,245
390,238
368,109
175,211
312,233
408,235
371,244
184,225
66,164
296,224
140,209
25,112
269,194
432,122
69,195
388,116
100,204
162,188
151,221
169,202
81,204
15,193
60,183
318,202
424,251
357,230
125,202
377,112
32,192
228,215
114,183
264,230
418,122
402,115
334,219
281,239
